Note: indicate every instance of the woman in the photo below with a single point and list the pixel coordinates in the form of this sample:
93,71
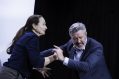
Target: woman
25,54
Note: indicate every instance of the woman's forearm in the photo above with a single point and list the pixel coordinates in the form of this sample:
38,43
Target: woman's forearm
50,59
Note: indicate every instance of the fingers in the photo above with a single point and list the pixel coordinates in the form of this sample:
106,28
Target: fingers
44,74
46,68
55,56
56,47
43,71
54,50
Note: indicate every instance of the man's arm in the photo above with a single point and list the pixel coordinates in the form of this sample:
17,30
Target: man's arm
89,63
92,59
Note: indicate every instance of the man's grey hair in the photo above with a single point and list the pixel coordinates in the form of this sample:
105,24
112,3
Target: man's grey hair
76,27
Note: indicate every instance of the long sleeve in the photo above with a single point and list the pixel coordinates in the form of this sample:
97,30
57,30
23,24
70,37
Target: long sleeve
92,63
36,57
93,58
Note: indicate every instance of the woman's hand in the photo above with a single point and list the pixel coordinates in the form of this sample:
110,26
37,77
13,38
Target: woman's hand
44,71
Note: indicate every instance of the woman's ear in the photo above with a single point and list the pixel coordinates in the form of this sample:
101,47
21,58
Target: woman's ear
34,26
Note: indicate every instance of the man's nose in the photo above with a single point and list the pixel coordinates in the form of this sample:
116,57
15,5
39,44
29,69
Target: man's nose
79,41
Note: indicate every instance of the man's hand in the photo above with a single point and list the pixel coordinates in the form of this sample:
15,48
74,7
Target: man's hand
55,56
59,52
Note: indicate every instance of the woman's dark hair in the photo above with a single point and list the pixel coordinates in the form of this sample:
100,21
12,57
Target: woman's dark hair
34,19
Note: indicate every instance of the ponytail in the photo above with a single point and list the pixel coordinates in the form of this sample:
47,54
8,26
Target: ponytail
34,19
20,32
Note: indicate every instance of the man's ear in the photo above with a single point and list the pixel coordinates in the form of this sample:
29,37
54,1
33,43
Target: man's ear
34,26
86,33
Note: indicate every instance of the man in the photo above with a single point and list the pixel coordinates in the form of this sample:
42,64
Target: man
85,54
0,64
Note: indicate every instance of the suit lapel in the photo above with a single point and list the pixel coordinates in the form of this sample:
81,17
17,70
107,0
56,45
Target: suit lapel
71,53
85,52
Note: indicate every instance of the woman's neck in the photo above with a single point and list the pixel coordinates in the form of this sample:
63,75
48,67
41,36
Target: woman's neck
38,34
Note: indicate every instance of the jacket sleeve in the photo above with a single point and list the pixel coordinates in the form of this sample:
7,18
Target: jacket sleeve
35,56
92,59
66,47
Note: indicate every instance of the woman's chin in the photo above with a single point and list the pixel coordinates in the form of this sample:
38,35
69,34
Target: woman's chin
43,33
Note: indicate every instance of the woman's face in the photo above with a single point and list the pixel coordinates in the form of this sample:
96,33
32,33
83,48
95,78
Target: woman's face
40,27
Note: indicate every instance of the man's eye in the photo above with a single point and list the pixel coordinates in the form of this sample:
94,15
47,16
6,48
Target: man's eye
74,38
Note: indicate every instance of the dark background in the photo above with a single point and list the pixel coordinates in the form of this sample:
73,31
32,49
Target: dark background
101,18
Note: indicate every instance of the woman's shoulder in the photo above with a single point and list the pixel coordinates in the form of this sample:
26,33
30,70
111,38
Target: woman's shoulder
27,36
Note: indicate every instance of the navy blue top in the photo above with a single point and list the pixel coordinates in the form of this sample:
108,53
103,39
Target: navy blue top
26,55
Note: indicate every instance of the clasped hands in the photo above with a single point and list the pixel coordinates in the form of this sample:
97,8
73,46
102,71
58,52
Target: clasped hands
58,53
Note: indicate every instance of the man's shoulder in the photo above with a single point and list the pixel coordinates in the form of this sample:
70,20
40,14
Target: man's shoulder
93,42
69,42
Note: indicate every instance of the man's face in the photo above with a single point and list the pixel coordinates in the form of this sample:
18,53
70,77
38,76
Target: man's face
79,38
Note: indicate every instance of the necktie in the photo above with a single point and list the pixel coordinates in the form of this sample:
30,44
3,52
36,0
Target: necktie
77,55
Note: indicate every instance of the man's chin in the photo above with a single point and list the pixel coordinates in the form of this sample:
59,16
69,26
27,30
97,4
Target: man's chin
80,46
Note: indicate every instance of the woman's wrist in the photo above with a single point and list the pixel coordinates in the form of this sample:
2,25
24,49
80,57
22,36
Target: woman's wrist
51,58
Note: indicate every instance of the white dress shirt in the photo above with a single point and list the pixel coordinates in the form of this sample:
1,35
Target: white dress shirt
77,54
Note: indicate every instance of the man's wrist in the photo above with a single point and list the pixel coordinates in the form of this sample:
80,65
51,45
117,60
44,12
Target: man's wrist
66,60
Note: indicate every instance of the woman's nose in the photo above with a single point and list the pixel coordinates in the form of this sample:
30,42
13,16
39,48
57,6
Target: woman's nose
46,27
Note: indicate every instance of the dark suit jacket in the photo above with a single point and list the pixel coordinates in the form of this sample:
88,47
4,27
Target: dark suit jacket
92,63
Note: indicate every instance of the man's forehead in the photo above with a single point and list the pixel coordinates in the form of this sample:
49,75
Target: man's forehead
80,32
